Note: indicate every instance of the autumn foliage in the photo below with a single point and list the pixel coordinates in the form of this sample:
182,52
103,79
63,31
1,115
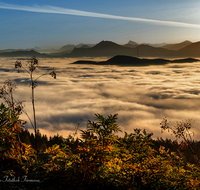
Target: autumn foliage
99,159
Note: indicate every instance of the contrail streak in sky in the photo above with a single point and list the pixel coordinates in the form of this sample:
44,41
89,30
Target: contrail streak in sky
59,10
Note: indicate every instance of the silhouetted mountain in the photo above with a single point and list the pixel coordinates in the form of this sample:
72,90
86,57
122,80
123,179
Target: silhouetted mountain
192,50
81,44
110,49
177,46
14,50
8,50
149,51
30,53
67,48
36,48
104,48
106,44
122,60
186,60
50,50
131,44
85,46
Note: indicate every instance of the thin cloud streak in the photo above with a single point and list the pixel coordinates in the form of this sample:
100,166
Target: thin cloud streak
59,10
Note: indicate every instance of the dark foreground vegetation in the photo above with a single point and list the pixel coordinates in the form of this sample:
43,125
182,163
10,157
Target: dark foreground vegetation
98,159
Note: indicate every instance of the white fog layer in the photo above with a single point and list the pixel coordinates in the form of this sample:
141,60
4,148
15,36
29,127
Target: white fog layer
141,96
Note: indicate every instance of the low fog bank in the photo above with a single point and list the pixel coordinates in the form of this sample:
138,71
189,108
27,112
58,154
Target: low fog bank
141,96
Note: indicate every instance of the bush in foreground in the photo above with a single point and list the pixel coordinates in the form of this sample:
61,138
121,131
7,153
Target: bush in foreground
100,159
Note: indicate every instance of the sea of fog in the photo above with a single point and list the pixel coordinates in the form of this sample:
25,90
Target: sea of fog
141,96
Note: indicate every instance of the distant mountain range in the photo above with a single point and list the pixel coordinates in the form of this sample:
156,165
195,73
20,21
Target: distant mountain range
110,49
177,46
23,53
68,48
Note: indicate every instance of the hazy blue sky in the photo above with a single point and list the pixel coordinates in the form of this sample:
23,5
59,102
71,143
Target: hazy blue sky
50,23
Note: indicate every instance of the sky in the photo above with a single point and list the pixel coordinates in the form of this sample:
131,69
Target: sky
53,24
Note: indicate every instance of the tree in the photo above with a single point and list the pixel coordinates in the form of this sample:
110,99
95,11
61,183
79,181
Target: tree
32,64
10,125
102,129
6,93
181,130
97,146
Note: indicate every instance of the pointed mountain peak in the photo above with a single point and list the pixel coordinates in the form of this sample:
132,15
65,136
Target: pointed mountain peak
187,41
106,44
133,43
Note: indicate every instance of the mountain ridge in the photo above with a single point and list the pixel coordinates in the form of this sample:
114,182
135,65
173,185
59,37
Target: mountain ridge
122,60
110,49
177,46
